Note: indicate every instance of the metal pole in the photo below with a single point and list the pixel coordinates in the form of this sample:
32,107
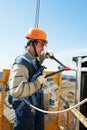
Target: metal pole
78,83
37,13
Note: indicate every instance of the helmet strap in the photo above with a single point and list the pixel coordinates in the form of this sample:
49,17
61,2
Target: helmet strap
33,43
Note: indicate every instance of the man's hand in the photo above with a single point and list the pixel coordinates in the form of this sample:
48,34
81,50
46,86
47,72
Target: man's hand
42,79
48,54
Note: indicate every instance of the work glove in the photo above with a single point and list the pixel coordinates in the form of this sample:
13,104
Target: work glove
48,54
42,79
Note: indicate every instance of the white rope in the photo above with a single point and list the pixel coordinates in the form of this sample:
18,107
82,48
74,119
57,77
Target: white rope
56,112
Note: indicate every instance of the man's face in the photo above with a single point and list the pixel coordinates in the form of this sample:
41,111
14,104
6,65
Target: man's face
40,47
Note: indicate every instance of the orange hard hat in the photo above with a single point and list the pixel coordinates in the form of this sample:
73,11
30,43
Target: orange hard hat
36,33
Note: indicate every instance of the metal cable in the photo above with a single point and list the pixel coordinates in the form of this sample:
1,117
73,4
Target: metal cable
37,13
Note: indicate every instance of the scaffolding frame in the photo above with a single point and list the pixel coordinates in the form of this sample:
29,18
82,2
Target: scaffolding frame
79,116
79,69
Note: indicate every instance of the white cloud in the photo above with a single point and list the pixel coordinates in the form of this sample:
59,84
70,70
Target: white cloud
69,53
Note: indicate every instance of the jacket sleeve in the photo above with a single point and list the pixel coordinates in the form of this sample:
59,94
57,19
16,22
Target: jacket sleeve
18,82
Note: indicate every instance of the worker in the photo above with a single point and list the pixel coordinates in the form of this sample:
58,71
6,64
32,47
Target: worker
22,86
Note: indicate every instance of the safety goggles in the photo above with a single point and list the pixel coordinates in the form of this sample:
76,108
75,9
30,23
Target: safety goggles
43,42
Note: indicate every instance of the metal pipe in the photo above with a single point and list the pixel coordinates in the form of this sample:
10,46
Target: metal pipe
78,83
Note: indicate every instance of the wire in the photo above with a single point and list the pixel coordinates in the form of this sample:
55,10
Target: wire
37,13
56,112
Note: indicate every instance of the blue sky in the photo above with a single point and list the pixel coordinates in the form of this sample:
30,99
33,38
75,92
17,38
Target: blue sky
65,22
